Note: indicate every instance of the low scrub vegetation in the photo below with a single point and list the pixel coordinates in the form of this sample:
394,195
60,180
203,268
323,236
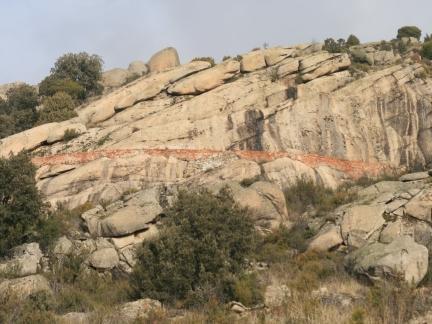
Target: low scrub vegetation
205,59
59,107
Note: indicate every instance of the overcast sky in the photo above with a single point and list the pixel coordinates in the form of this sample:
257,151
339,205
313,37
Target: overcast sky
33,33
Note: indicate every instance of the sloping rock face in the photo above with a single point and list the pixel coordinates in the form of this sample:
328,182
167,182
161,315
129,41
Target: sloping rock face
288,112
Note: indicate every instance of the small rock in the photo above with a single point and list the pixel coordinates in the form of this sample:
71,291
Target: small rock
237,307
63,246
414,176
24,287
104,259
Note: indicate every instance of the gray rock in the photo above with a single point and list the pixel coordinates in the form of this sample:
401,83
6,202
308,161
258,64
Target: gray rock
138,68
420,206
24,287
25,260
139,309
63,246
414,176
105,259
401,259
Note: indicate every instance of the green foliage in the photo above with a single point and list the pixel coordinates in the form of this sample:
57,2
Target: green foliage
305,194
18,111
246,289
70,134
427,50
59,107
83,68
352,41
52,84
226,58
385,46
20,202
409,31
331,46
427,38
205,240
205,59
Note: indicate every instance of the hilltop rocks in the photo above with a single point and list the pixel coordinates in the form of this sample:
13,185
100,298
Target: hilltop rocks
138,68
277,54
114,78
206,80
253,61
163,60
321,64
402,257
290,66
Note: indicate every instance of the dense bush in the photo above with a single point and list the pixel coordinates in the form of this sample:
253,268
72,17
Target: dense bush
427,50
409,31
51,85
20,202
205,59
18,111
352,40
57,108
331,46
201,249
84,69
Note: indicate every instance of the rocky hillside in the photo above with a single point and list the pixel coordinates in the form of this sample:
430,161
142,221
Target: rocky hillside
258,124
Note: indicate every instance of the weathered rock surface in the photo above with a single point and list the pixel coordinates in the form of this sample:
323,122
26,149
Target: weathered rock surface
163,60
401,259
322,64
206,80
328,238
253,61
106,258
138,68
25,260
24,287
420,206
114,78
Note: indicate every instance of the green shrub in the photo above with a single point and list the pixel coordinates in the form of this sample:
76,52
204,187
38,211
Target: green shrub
427,50
226,58
57,108
247,290
18,111
84,69
205,59
352,41
305,193
52,84
20,202
409,31
204,241
331,46
70,134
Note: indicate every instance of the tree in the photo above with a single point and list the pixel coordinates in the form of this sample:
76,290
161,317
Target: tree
51,85
427,50
204,241
20,202
82,68
22,97
331,46
352,41
57,108
409,31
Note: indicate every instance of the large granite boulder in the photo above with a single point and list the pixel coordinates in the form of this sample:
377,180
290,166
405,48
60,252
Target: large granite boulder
23,287
163,60
401,259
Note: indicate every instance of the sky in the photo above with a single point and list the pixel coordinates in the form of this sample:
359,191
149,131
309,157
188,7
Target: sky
34,33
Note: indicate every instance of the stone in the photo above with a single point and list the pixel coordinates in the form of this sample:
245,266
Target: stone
290,66
276,55
63,246
328,238
423,234
114,78
420,206
139,309
163,60
24,287
321,64
138,68
392,231
25,260
206,80
125,221
74,318
414,176
58,133
401,259
360,222
237,307
104,259
253,61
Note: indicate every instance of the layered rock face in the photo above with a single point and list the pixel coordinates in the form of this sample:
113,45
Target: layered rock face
288,112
